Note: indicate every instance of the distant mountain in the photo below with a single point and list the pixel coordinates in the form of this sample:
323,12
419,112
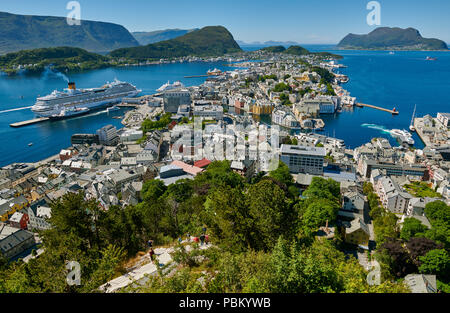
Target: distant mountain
208,41
298,50
274,49
145,38
267,43
386,38
20,32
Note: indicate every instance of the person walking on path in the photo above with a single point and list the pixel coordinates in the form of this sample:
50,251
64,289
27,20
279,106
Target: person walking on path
150,243
202,239
188,237
152,253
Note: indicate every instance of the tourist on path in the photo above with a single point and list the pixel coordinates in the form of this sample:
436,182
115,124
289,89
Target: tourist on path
152,253
202,239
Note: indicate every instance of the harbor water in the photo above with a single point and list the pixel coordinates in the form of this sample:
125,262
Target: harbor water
398,80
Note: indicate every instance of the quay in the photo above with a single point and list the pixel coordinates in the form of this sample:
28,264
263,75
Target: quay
128,105
29,122
197,76
393,112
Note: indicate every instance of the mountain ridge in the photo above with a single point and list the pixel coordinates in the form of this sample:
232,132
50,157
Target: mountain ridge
145,38
208,41
25,32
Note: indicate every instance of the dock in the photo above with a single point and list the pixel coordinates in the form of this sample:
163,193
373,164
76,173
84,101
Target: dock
128,105
197,76
393,112
29,122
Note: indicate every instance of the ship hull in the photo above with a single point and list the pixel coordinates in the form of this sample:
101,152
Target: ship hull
58,118
90,106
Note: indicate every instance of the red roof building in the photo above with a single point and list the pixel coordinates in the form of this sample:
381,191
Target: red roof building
202,163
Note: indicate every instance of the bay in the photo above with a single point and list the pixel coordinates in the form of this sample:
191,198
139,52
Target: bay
49,138
400,80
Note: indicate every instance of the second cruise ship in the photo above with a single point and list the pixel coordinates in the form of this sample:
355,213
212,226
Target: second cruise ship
73,99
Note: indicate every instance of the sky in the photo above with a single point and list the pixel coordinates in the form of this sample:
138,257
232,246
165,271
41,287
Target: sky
302,21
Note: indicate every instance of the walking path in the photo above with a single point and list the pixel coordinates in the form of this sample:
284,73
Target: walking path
144,267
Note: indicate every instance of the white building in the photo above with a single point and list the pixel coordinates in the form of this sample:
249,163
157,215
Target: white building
391,195
107,135
303,159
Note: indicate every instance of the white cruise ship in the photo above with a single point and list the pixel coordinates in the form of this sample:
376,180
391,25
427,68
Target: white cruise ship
71,97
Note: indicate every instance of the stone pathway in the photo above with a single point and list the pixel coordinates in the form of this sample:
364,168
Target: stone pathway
144,267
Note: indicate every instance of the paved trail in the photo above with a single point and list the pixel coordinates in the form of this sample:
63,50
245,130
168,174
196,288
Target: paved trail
144,267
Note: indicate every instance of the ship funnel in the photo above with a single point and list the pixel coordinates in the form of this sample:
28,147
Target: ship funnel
72,86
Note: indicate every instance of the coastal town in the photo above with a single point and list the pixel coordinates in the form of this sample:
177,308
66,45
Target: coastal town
269,106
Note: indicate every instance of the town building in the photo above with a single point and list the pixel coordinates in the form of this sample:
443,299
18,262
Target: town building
174,98
108,135
303,159
358,234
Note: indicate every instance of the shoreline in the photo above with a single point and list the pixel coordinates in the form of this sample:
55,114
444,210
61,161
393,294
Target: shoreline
389,50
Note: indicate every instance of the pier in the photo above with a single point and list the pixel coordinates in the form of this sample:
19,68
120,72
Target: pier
29,122
393,112
128,105
197,76
207,75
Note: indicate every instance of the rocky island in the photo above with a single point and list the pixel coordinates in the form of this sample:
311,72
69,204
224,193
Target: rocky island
386,38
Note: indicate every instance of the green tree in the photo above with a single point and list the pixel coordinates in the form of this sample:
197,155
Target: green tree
271,214
318,212
321,188
229,219
436,262
438,211
153,189
411,228
282,174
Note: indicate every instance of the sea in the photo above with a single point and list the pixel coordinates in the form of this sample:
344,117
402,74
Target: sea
400,80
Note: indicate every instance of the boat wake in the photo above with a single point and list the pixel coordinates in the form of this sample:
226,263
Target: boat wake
13,110
87,115
377,127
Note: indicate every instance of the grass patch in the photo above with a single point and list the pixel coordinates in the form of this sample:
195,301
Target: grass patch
421,190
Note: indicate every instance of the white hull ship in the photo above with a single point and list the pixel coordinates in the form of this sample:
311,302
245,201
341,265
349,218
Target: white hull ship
402,136
59,104
70,112
168,86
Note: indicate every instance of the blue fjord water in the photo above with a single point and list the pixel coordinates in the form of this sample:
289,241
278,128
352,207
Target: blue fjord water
376,77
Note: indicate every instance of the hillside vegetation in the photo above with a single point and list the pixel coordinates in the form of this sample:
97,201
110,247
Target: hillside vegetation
60,58
299,51
208,41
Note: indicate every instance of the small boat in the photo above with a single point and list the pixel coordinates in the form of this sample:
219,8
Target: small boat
30,144
402,136
214,72
113,108
431,59
392,52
